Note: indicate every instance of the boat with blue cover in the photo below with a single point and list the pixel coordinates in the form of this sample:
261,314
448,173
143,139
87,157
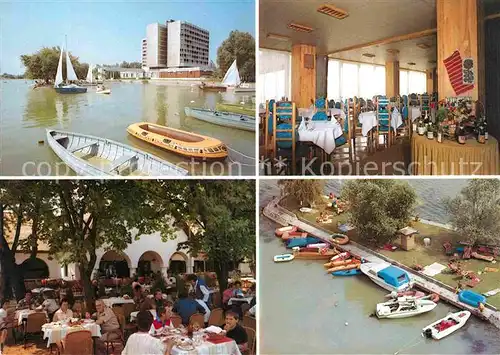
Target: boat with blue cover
387,276
351,272
471,298
301,242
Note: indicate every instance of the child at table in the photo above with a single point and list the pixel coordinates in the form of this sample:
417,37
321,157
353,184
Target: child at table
162,319
237,290
77,310
236,331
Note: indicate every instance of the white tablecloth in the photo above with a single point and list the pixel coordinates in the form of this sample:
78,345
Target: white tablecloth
323,134
116,300
368,120
23,314
54,334
337,111
207,348
415,113
236,299
133,315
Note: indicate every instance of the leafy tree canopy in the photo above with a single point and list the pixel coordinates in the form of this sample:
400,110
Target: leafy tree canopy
306,192
239,46
379,208
475,213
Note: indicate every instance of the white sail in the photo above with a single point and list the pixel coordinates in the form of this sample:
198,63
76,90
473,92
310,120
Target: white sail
70,72
232,77
59,75
89,74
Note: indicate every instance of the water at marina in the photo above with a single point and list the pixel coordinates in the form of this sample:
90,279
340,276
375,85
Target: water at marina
26,114
305,311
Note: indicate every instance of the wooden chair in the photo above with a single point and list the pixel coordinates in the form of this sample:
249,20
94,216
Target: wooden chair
34,324
252,343
176,320
197,318
216,317
250,322
120,339
425,104
216,300
384,127
414,100
285,134
118,310
321,108
268,148
77,343
244,308
128,308
344,144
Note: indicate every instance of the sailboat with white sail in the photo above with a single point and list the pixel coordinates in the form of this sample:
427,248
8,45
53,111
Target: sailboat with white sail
233,81
59,85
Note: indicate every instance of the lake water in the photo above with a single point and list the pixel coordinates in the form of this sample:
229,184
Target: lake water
304,311
26,114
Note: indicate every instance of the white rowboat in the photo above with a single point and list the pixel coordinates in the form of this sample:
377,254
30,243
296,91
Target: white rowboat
94,156
283,258
226,119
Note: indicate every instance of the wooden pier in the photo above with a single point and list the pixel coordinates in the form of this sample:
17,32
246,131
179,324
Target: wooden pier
282,216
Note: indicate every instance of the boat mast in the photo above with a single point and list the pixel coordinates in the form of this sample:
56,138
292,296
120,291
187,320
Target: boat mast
66,44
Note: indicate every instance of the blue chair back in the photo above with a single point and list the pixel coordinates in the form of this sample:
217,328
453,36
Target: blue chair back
270,118
320,105
383,113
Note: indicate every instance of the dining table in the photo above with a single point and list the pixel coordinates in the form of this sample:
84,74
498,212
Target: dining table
56,331
321,133
369,120
22,315
239,300
133,315
116,300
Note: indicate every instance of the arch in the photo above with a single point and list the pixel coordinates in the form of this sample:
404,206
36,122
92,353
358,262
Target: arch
178,263
149,262
35,268
114,263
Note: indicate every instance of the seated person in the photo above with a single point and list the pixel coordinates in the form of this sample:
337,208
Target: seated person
236,331
227,294
77,310
64,312
142,342
27,302
3,323
158,298
110,327
237,290
49,303
139,296
162,319
186,306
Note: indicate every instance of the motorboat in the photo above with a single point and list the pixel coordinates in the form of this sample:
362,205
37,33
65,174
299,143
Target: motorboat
447,325
226,119
388,276
292,235
351,272
318,254
404,307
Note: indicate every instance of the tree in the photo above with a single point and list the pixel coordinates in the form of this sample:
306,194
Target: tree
239,46
306,192
379,208
136,65
475,213
43,64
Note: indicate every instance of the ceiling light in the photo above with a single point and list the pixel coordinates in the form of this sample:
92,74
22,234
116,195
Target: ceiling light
412,64
393,51
300,28
423,46
369,55
333,11
277,37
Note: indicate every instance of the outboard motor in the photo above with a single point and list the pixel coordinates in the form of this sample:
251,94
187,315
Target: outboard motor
428,333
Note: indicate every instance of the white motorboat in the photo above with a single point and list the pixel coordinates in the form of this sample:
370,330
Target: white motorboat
106,91
387,276
283,258
404,307
447,325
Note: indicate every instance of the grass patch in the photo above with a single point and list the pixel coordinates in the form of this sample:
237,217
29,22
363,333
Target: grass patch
420,255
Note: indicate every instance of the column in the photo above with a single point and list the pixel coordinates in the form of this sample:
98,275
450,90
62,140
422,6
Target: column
321,75
392,78
303,74
431,80
164,271
132,270
457,29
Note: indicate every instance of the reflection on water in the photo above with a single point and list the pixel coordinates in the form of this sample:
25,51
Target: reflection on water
303,310
27,113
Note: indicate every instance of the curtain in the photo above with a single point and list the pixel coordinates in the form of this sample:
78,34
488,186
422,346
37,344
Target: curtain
274,75
412,82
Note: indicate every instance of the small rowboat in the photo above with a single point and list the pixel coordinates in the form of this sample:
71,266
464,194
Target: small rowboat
321,254
94,156
471,298
212,87
341,256
351,272
350,266
340,239
180,142
411,293
106,92
447,325
341,262
305,210
318,245
226,119
283,258
279,231
292,235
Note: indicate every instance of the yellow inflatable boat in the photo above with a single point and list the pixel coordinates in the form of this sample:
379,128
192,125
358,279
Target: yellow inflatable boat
180,142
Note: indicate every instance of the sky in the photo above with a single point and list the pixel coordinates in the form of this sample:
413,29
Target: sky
108,32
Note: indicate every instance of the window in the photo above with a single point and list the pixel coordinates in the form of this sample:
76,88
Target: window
199,266
412,82
346,80
274,75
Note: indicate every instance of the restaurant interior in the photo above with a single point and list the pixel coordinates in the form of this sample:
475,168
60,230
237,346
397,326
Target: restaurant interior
379,87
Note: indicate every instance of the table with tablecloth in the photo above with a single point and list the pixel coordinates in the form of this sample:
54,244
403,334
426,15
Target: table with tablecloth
415,113
429,157
56,332
22,315
133,315
310,111
116,300
239,299
368,121
208,348
321,133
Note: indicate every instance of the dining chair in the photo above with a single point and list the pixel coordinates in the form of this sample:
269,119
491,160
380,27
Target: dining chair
197,318
383,121
285,135
78,342
250,322
268,149
425,103
176,320
120,338
321,108
252,343
34,324
216,317
404,130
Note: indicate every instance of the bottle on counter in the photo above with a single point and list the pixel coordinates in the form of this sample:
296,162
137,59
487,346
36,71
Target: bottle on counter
461,134
481,138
